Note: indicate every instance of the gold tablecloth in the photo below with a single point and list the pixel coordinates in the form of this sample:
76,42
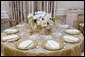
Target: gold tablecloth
9,49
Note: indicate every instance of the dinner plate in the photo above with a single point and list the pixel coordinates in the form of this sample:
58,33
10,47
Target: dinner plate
10,38
25,44
52,44
10,31
71,39
72,31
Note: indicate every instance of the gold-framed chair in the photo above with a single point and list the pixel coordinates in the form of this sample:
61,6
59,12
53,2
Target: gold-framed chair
7,23
76,23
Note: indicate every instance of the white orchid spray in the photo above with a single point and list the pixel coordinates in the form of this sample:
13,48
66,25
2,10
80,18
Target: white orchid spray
41,18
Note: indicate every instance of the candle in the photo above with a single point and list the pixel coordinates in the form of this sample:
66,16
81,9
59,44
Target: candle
44,5
51,8
33,7
29,7
47,6
54,8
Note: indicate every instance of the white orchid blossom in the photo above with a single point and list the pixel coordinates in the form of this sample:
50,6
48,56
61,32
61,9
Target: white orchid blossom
30,15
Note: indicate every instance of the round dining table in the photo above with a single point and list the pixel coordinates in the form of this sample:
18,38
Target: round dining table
69,49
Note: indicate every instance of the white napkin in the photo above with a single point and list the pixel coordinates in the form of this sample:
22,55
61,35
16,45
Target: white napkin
24,44
53,44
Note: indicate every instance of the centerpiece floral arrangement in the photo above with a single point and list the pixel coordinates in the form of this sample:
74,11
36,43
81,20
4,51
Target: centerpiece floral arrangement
40,19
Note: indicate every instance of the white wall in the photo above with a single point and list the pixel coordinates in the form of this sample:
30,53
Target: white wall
5,5
70,4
